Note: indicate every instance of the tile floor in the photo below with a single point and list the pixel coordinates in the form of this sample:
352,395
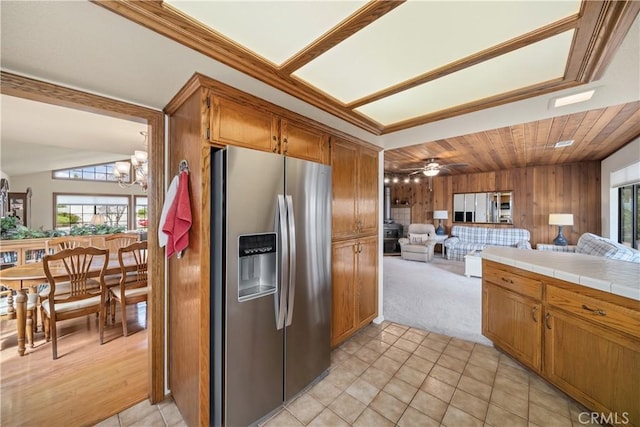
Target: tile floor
391,374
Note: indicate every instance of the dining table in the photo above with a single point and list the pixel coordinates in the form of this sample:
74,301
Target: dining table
27,277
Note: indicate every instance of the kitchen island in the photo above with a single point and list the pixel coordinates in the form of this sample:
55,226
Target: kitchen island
572,318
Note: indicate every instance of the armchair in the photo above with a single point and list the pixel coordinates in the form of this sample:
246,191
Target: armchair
419,243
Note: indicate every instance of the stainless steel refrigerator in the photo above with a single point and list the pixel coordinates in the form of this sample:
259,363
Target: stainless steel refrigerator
271,281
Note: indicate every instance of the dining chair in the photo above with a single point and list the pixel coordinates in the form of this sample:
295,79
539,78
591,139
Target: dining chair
134,285
57,244
78,270
113,242
8,310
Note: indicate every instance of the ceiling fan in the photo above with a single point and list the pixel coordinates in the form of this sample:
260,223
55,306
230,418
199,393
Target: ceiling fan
432,167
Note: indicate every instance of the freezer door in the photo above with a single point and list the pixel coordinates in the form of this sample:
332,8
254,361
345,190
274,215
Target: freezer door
307,336
253,384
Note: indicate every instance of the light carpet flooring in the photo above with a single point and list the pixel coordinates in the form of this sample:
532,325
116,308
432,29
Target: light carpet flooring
433,296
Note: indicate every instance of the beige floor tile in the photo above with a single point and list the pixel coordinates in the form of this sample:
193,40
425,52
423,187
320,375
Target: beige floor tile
341,378
427,353
137,412
305,408
338,356
388,337
434,344
370,418
439,389
326,418
511,387
414,418
481,374
475,387
457,352
283,419
372,330
406,345
152,419
109,422
555,402
429,405
544,417
411,376
486,350
348,407
378,346
418,331
170,413
413,336
396,329
361,338
419,364
388,406
446,375
387,364
350,347
355,365
516,374
452,363
498,417
439,337
400,390
510,403
397,354
463,344
488,363
367,355
325,392
363,391
377,377
454,417
470,404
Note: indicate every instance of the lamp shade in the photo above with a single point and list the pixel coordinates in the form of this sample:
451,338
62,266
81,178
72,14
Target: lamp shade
440,215
560,219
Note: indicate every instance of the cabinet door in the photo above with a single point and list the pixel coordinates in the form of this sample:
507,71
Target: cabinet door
596,365
343,216
368,191
513,322
303,142
367,280
343,291
242,125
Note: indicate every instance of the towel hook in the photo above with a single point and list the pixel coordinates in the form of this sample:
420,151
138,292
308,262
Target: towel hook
184,166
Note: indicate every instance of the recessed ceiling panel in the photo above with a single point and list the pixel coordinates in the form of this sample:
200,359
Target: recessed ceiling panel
275,30
420,36
535,63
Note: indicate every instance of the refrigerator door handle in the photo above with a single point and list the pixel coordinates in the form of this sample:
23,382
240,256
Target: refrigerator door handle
292,259
280,299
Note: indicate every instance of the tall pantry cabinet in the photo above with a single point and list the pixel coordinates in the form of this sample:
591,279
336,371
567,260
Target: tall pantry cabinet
354,238
204,114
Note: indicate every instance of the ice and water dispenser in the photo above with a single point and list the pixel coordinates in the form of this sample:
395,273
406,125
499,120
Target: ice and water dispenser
257,265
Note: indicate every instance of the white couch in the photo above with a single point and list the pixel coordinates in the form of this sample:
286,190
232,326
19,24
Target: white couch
419,243
465,239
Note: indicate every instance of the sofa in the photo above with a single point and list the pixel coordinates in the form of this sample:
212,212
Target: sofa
592,244
419,243
465,239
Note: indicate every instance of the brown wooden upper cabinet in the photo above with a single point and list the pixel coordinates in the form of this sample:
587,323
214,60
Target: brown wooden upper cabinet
249,126
355,190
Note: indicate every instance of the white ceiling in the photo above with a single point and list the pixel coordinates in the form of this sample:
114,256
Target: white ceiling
81,45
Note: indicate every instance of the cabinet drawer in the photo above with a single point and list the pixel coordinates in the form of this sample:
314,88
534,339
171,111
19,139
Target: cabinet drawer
601,312
514,282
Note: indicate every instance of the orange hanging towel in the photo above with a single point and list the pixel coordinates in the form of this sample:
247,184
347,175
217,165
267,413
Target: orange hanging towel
178,221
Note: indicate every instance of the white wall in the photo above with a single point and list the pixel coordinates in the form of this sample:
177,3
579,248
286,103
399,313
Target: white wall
43,187
620,168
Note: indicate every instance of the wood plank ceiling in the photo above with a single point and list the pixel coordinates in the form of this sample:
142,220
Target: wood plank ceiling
594,33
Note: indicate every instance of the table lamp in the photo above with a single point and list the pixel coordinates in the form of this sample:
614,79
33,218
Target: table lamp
560,219
440,215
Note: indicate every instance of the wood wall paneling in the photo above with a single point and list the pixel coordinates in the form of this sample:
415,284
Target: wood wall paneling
537,191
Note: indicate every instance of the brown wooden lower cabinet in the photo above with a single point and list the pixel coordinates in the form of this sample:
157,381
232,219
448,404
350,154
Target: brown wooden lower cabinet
584,341
354,286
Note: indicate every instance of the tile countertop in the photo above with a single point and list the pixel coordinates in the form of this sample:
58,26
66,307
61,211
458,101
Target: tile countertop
617,277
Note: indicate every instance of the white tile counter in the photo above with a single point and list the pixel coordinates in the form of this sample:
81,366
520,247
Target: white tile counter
617,277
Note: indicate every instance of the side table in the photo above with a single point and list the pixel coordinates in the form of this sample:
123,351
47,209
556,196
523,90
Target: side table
440,238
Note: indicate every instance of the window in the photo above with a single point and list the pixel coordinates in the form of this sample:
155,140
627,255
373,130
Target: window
102,172
142,213
77,210
629,201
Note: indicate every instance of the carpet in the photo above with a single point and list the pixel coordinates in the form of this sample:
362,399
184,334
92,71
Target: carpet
435,296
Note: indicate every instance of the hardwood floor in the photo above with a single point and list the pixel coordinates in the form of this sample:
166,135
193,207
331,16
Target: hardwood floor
88,382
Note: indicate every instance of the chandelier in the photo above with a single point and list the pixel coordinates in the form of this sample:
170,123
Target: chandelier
139,161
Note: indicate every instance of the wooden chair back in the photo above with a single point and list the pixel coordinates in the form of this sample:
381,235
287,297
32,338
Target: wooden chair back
113,242
58,244
134,285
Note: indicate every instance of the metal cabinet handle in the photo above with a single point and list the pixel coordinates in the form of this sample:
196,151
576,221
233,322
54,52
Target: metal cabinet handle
547,318
534,310
507,280
594,310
